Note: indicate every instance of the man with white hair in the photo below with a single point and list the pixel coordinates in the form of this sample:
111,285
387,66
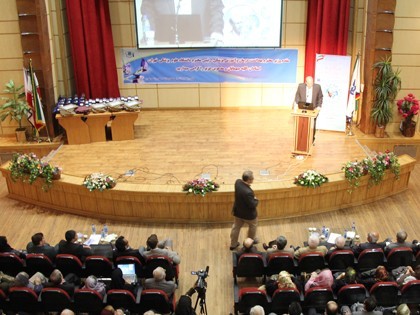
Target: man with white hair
313,246
257,310
340,244
160,283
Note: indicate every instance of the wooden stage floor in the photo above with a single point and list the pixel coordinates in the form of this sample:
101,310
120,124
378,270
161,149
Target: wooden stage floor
172,147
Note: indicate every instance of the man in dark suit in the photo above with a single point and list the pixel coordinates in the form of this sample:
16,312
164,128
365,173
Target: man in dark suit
58,281
40,246
401,242
372,243
210,11
122,248
70,246
244,209
309,92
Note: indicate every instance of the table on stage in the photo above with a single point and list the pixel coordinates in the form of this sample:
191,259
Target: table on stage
89,128
304,130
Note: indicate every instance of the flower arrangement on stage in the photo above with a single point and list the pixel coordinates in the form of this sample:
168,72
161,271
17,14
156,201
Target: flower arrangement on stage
310,178
408,107
200,186
28,167
353,171
389,160
99,181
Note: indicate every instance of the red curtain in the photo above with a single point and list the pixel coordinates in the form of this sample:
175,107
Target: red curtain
92,47
326,30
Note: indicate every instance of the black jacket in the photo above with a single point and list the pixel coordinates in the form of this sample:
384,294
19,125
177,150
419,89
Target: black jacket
245,206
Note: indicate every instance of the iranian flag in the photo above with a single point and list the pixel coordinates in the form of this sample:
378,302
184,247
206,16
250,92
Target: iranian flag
32,92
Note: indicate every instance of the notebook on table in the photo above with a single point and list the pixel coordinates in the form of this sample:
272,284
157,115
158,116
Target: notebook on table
307,106
129,272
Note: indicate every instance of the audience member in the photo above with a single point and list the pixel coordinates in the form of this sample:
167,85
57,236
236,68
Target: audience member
295,308
330,309
122,248
66,311
159,282
313,246
345,278
38,245
118,282
184,306
70,246
372,243
403,309
248,248
278,246
5,282
368,308
370,277
35,282
164,249
6,248
67,283
401,242
403,275
340,244
151,312
257,310
282,280
321,279
92,283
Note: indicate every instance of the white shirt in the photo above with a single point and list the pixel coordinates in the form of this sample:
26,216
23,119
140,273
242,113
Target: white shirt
184,6
309,94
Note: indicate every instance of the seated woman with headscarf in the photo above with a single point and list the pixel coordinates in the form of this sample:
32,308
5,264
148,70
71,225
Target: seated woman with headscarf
35,282
370,277
95,285
282,280
322,279
118,282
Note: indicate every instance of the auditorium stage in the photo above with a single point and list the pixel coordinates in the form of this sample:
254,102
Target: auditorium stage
174,146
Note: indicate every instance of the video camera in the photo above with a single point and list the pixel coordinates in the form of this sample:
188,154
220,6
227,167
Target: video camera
201,283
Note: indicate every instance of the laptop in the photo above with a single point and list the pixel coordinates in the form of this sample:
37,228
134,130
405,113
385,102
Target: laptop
306,106
189,28
129,272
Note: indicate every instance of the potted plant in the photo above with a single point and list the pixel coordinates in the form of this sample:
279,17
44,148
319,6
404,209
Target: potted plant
386,86
15,107
408,107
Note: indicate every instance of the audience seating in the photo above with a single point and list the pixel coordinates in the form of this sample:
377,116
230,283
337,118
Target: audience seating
248,265
400,256
122,299
386,293
280,261
98,266
417,258
165,262
282,298
351,293
23,299
410,292
3,301
317,297
87,301
249,297
339,260
11,264
309,262
370,259
38,263
55,300
67,263
131,260
156,300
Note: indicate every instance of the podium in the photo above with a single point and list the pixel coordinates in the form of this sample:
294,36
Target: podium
304,130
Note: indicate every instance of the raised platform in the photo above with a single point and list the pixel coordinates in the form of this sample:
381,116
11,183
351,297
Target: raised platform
172,147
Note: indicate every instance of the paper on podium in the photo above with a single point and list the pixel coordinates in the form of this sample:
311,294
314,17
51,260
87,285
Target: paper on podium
332,238
350,234
110,237
94,239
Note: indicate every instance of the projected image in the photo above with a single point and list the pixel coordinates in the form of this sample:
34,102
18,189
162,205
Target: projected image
208,23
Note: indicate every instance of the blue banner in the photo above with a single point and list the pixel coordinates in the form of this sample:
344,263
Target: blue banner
211,66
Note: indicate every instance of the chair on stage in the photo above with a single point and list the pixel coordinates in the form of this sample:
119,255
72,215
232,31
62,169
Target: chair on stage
310,262
351,293
38,262
370,259
131,260
339,260
23,299
87,301
280,262
156,300
248,265
386,293
282,298
399,256
55,300
11,264
67,263
99,266
246,298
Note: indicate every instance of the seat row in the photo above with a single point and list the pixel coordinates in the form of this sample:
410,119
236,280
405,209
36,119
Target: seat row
387,294
99,266
23,299
261,265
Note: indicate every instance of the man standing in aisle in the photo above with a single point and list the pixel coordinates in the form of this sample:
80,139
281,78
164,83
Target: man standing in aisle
244,209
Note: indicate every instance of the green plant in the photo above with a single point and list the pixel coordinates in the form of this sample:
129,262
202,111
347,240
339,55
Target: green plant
385,89
200,186
379,164
28,167
99,181
15,106
353,171
310,178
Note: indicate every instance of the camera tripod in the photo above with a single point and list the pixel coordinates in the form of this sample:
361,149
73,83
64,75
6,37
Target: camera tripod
201,297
